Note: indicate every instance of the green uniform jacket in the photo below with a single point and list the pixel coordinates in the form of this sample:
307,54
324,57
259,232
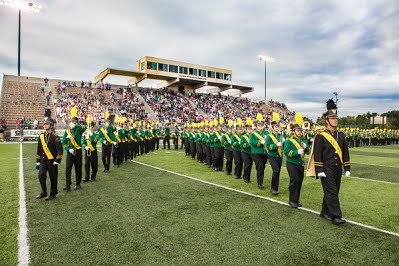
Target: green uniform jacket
156,132
215,141
226,138
244,143
198,138
167,131
291,152
235,142
93,140
272,148
256,146
77,135
110,132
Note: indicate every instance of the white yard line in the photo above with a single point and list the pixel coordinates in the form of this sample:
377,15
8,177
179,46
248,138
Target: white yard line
266,198
23,246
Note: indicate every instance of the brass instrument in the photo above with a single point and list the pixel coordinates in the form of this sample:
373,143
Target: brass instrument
306,125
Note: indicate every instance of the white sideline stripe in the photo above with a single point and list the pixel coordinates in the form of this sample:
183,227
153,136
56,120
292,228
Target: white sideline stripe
266,198
23,246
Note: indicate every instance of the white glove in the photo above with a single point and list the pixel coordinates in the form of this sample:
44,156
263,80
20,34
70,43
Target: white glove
300,151
105,142
55,163
87,148
115,143
71,151
321,174
68,136
220,137
312,139
37,164
262,142
71,125
347,173
118,128
279,144
282,139
304,145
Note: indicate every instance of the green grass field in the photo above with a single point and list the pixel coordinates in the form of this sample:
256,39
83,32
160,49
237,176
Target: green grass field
137,215
9,198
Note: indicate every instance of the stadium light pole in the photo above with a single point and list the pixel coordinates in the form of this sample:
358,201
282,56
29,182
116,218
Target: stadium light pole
20,5
266,59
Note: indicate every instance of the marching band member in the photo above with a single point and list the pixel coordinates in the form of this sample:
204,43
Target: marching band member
246,152
235,144
89,144
257,140
107,138
274,146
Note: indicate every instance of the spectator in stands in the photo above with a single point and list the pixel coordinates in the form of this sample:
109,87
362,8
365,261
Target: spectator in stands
45,81
35,124
82,84
17,123
42,88
89,84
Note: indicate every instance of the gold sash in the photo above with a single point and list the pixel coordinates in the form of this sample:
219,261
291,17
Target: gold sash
237,137
88,142
246,138
297,146
228,138
279,149
73,141
106,135
260,138
334,143
45,148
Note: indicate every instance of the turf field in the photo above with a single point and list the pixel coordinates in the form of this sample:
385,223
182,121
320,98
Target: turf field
138,215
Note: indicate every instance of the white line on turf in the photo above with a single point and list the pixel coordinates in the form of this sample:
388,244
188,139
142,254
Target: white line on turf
266,198
23,246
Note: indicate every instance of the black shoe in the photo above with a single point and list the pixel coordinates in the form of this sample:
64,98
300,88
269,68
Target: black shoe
338,221
274,192
67,189
238,177
247,181
85,180
41,195
51,197
325,216
93,179
113,165
104,170
299,204
78,187
293,204
228,173
261,186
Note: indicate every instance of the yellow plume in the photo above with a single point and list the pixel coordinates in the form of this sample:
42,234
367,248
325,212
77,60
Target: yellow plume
74,112
215,122
211,124
89,119
276,117
230,122
239,122
139,123
116,120
175,124
206,122
298,119
259,117
221,120
249,121
106,115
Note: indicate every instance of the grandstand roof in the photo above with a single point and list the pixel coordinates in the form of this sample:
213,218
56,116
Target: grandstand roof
175,74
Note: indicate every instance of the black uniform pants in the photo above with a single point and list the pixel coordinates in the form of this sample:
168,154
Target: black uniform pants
48,166
183,142
275,163
127,150
331,185
237,163
106,155
192,149
187,146
247,160
260,163
74,159
156,144
208,155
176,142
117,154
229,160
296,173
92,161
135,149
219,158
166,140
198,149
213,158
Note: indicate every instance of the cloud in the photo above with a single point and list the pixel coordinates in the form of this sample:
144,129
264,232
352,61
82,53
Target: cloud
351,47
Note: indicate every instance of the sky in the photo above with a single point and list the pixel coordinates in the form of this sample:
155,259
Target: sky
319,47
